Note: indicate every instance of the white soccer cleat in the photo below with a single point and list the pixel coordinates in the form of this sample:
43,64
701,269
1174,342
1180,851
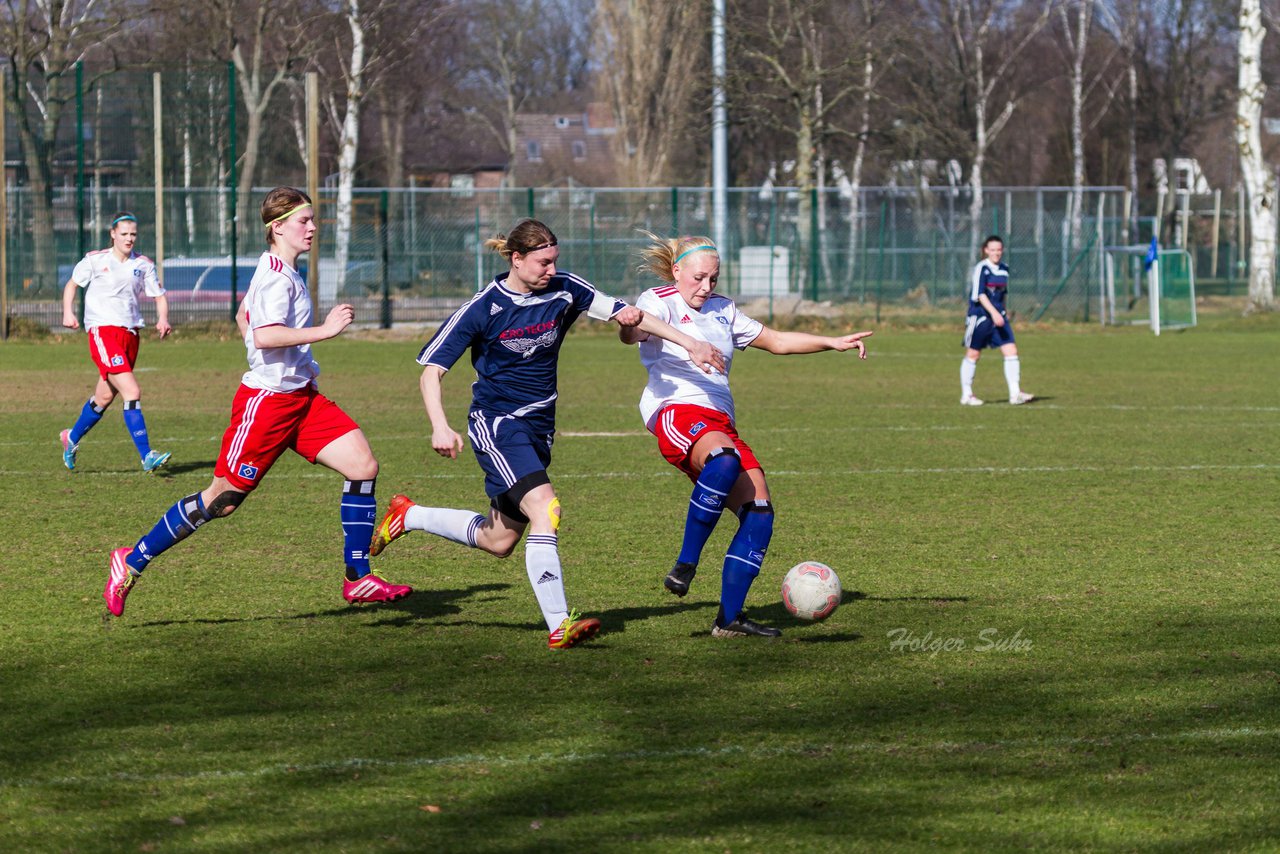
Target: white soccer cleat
1021,398
970,400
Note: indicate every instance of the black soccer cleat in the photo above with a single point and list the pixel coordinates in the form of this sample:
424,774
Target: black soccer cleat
680,577
741,628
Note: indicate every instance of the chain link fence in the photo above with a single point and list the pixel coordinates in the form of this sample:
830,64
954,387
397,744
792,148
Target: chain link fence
415,254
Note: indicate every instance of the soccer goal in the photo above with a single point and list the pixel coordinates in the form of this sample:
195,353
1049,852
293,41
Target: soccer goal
1162,295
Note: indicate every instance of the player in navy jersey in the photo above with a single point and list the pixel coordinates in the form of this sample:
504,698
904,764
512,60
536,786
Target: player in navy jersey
514,329
278,407
987,325
114,280
692,416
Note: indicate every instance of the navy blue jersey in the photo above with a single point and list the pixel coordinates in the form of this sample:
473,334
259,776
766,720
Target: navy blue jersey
515,340
992,280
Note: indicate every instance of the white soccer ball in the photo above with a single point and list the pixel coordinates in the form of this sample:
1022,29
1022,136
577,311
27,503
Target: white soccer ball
811,590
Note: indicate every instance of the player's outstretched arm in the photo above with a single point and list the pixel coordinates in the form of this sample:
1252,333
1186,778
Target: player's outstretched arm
791,343
445,441
707,357
269,337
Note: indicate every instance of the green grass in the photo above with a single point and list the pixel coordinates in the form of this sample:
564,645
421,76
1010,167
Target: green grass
1122,531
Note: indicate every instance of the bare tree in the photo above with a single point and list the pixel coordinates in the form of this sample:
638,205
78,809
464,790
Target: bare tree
518,54
797,47
1259,180
42,41
1184,52
653,84
407,69
263,41
1074,43
986,39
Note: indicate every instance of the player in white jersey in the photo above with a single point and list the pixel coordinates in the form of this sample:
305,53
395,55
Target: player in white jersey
114,281
514,330
277,408
692,416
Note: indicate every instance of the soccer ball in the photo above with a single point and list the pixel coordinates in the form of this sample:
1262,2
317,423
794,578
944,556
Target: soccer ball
811,590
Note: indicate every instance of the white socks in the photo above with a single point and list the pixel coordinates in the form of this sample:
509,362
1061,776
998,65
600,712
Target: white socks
1013,375
968,368
542,562
457,525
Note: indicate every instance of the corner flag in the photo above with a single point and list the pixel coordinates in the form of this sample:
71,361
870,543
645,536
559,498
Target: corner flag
1153,252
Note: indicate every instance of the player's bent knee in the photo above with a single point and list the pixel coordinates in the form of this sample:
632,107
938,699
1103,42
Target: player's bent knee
725,455
499,546
225,503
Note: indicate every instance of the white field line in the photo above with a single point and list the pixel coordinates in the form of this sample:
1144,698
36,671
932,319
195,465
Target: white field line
821,750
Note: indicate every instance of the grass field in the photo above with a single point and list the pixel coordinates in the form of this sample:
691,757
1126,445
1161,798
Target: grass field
1059,628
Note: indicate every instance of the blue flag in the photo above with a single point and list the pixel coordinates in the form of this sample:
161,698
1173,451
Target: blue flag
1153,252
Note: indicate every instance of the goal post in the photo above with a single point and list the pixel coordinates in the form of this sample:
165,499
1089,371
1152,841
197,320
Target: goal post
1162,295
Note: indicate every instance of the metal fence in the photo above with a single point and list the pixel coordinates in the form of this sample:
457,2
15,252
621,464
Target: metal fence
416,253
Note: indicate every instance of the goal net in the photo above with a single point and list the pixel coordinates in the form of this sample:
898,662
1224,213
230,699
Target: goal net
1162,295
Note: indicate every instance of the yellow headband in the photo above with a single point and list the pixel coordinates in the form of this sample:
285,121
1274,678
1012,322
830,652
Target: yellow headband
290,213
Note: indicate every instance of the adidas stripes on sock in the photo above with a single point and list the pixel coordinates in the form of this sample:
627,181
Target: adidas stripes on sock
707,501
746,554
90,415
137,427
542,562
456,525
178,522
359,513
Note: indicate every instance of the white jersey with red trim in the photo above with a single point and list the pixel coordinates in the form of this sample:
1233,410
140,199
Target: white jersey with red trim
672,377
113,288
278,296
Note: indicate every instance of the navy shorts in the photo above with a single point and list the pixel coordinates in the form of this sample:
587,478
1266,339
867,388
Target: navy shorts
507,449
980,332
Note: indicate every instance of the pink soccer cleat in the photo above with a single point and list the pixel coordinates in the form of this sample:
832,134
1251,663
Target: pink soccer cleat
119,582
392,525
373,588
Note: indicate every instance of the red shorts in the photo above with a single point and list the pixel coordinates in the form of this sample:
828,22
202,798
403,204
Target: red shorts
114,349
265,423
680,425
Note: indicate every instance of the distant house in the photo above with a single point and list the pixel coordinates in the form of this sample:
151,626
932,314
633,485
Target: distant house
566,147
469,176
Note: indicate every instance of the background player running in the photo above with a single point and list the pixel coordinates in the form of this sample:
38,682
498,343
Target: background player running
514,329
692,415
277,407
987,325
115,280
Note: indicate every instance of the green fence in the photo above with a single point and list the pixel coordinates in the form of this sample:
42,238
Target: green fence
414,254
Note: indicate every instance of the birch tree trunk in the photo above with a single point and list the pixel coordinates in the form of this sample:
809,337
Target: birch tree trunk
1077,45
348,143
1259,180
